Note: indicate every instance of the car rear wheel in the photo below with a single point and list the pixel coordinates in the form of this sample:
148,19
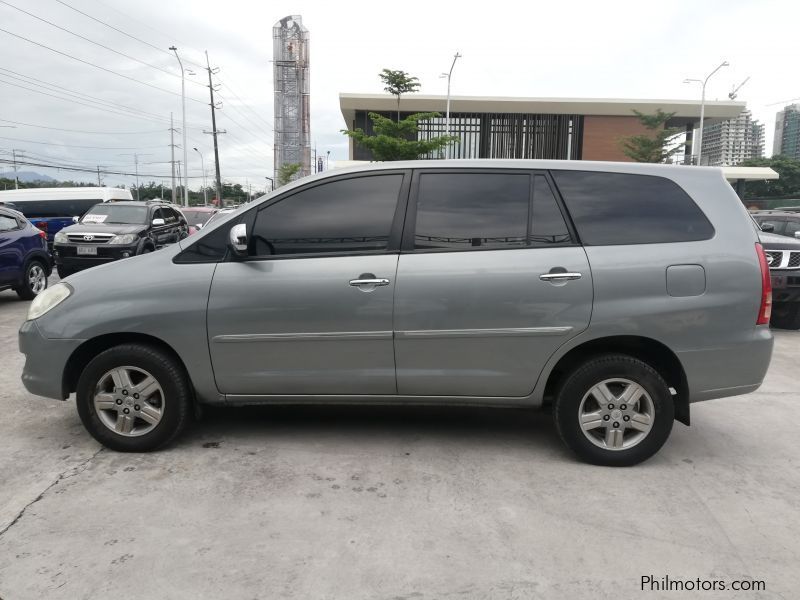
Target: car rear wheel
134,398
35,281
786,315
614,410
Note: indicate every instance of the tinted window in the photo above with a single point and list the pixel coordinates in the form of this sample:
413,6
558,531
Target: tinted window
351,215
170,215
792,227
8,223
465,210
777,224
211,247
549,226
618,208
115,213
54,208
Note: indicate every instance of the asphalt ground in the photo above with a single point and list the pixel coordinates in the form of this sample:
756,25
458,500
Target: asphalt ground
395,503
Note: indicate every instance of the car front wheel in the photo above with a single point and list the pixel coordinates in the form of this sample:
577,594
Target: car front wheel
133,398
35,281
614,410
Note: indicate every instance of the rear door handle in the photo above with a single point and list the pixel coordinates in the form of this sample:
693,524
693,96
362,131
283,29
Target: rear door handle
559,276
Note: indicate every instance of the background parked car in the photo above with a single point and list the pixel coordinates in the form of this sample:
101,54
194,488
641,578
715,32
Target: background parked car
779,222
25,263
116,230
198,216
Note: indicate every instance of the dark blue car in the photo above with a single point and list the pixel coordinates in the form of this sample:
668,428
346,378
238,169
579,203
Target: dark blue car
25,263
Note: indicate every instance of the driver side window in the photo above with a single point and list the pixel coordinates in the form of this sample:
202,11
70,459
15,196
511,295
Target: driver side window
344,216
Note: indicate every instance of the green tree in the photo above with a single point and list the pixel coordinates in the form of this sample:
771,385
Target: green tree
398,83
287,172
787,186
398,140
656,146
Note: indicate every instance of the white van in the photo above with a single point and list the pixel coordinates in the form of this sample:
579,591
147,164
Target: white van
51,209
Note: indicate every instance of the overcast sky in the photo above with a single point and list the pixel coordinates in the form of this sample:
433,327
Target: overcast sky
616,49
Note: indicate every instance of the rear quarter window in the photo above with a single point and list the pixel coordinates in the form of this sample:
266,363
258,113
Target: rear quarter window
620,208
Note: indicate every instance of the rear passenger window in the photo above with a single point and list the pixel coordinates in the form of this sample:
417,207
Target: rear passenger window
619,208
469,210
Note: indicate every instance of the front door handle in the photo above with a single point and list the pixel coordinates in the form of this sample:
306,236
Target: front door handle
559,276
368,281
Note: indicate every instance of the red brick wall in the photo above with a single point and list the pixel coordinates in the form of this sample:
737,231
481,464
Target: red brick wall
601,135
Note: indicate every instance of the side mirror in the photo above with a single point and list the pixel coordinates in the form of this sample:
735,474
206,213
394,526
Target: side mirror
158,222
768,227
199,226
237,239
797,235
75,219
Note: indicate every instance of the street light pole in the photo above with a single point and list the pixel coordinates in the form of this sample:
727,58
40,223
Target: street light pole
703,83
203,166
449,76
185,152
271,183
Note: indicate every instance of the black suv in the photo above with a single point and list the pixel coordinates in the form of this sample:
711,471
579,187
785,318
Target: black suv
114,230
780,222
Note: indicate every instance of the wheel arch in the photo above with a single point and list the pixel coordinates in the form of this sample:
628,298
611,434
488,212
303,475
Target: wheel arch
84,353
651,351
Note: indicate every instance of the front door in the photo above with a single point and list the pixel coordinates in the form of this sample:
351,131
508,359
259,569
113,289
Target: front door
310,310
491,283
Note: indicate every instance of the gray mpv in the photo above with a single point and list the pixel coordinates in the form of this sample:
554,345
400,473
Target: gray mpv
617,294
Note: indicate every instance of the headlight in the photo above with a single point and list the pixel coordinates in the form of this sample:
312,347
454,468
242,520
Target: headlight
60,238
127,239
48,299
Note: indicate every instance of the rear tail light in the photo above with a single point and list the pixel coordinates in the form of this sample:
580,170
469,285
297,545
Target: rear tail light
41,225
765,310
42,234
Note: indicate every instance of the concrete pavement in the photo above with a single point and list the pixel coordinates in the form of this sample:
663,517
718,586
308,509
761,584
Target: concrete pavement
412,504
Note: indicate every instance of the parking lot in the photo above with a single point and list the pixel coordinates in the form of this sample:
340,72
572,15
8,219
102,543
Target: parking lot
394,503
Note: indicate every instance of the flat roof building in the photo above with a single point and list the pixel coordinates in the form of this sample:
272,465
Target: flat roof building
547,128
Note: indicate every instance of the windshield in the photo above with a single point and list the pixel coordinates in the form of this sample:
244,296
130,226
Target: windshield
116,213
197,217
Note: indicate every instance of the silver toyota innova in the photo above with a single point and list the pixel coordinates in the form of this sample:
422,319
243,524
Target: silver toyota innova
616,294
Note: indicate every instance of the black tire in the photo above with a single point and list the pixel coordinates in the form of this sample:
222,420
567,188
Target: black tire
26,291
567,410
146,249
63,271
175,404
786,315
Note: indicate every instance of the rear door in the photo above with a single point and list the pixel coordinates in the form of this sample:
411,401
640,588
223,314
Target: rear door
490,283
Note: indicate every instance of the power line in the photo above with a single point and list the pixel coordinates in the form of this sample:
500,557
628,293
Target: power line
84,131
133,58
235,95
115,107
91,64
85,147
114,112
125,33
87,170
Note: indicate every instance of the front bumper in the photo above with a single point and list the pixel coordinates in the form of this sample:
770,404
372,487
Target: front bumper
785,286
66,255
45,360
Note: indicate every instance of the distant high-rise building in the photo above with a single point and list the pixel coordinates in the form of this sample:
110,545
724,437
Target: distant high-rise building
290,48
787,132
733,141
